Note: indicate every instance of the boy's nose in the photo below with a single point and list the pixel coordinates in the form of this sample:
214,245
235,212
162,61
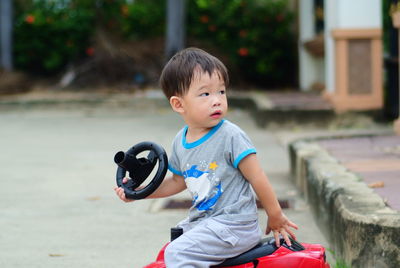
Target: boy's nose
216,101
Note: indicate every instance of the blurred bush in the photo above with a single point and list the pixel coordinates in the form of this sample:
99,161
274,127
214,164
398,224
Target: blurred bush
143,19
254,36
49,34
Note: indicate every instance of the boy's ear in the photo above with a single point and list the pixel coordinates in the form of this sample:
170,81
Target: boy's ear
176,104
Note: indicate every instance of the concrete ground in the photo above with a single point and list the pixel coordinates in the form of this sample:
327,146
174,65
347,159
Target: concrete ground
58,207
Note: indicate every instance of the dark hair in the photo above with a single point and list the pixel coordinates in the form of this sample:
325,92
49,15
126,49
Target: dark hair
179,71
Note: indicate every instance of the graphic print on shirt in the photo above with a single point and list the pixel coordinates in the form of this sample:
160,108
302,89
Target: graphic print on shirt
204,187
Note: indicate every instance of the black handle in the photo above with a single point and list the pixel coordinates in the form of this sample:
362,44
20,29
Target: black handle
140,168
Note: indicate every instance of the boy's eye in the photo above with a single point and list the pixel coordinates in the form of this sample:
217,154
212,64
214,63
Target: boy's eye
222,92
205,94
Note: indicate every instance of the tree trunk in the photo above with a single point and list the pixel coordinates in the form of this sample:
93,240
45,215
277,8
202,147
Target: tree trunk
175,39
6,35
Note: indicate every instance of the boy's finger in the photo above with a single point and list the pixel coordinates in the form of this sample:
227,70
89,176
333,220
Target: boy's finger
120,192
292,224
277,239
286,237
291,234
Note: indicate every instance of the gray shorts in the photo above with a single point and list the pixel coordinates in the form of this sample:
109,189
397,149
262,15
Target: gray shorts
210,242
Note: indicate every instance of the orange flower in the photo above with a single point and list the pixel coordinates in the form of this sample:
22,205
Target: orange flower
243,33
125,10
111,24
70,43
30,19
279,17
212,28
204,19
90,51
243,51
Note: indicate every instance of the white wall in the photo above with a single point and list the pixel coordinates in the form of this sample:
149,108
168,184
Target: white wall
346,14
331,22
310,68
359,13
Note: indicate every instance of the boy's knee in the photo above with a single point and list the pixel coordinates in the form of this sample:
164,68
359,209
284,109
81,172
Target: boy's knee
178,254
170,253
169,249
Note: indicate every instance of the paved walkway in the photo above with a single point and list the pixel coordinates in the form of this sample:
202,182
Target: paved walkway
57,205
375,159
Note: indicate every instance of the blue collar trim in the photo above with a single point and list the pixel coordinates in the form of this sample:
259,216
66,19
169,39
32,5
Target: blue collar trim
191,145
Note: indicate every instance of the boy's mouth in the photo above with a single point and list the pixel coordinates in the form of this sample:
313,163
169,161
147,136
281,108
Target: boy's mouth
216,114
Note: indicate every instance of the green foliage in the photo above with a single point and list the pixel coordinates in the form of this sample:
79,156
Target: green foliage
387,9
138,19
340,263
143,19
255,34
48,34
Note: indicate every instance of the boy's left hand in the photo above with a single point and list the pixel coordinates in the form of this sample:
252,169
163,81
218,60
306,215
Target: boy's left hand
121,192
280,225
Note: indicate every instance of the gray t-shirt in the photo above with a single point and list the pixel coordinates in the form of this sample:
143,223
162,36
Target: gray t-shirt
210,168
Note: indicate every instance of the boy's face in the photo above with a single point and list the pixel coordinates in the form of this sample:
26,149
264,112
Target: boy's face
205,104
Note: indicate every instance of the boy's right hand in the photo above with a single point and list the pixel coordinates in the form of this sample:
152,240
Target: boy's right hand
121,193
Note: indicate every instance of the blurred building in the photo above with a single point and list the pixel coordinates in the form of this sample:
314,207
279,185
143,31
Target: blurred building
340,51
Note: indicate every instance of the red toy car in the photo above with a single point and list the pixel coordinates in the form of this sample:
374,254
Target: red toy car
265,254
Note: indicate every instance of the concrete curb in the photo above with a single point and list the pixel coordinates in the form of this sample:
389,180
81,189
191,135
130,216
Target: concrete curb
263,110
76,99
361,229
266,114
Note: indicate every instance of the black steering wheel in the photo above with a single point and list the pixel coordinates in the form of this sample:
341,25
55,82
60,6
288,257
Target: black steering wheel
140,168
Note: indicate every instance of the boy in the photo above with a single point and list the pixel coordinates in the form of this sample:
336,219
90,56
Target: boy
216,161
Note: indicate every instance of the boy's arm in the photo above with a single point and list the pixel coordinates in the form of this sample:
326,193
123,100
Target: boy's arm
170,186
277,221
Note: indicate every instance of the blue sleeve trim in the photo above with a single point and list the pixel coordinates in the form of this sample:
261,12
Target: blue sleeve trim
177,172
243,155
